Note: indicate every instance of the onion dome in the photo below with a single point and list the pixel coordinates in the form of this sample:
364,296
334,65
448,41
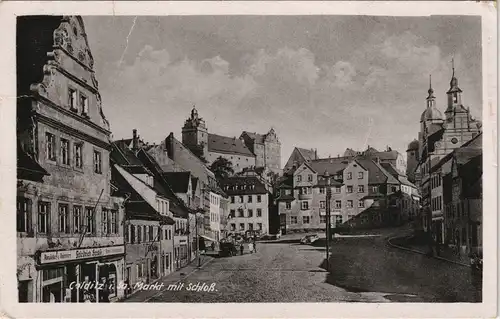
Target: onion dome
413,145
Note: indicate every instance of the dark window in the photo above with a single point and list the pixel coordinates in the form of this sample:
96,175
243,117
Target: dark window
72,100
97,162
77,219
65,151
43,217
259,199
89,220
23,215
78,155
259,212
64,218
84,103
50,141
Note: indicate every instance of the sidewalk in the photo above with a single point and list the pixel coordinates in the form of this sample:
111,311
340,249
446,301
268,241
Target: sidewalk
445,253
173,278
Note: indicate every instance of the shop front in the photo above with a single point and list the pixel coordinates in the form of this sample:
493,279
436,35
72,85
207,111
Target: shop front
81,275
180,251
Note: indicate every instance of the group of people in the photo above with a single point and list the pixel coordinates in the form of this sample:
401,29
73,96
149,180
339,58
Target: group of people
252,247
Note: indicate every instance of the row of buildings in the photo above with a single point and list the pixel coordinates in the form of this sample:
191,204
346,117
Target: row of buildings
446,164
90,209
369,189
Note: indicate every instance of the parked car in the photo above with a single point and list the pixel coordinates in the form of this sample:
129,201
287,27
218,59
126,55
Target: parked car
227,250
309,239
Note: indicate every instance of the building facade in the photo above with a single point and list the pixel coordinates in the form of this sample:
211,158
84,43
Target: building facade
364,194
438,137
68,226
266,148
248,206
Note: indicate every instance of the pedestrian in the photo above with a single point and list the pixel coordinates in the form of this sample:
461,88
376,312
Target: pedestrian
255,246
241,248
212,246
250,247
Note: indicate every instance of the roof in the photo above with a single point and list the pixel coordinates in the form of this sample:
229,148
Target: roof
387,155
135,206
257,138
333,166
414,145
285,198
376,173
242,185
391,169
122,155
230,145
307,154
464,153
27,164
178,181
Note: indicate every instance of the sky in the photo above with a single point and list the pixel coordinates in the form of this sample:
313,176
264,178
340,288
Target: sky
324,82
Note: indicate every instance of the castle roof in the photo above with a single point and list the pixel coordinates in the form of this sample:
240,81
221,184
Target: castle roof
307,154
228,145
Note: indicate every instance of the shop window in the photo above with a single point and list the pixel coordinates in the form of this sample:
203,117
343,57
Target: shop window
23,215
43,217
64,218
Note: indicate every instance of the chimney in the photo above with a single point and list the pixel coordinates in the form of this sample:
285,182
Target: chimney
135,140
169,145
315,153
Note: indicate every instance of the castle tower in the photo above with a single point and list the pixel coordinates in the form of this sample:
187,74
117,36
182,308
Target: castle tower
195,134
412,158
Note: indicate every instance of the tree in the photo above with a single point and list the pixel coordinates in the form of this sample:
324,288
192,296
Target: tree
222,168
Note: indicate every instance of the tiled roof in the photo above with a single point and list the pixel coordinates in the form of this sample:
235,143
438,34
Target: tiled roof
178,181
391,169
285,198
257,138
387,155
122,155
243,185
307,154
229,145
331,165
376,173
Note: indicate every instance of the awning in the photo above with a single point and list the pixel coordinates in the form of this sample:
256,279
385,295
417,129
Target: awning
207,238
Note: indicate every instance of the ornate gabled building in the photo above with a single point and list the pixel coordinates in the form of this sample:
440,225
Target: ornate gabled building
69,226
438,137
248,151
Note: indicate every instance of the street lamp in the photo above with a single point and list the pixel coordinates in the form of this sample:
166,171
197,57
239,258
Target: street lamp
328,199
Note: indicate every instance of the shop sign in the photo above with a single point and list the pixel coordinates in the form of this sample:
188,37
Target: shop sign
66,255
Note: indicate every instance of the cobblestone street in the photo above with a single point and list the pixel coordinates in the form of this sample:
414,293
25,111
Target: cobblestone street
363,270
